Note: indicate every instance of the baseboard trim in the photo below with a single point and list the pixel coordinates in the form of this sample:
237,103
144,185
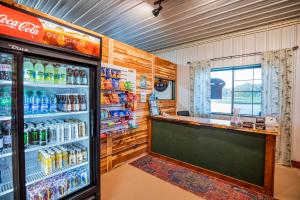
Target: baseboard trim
296,164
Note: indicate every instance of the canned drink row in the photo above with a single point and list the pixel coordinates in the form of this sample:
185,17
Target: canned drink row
53,131
55,158
56,187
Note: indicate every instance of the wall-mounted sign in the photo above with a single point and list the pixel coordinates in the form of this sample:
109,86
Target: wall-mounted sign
160,84
143,82
20,25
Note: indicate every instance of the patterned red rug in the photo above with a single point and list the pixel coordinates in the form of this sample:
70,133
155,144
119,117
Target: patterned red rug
205,186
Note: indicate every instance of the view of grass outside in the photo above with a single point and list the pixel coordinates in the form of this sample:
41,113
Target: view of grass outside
247,91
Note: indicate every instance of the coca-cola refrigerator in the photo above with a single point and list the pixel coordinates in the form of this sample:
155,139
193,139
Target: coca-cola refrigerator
49,109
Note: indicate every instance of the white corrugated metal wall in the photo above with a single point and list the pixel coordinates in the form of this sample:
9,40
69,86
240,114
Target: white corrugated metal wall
274,36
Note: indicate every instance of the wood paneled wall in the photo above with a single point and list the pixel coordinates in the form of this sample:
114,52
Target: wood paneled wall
116,150
119,149
167,70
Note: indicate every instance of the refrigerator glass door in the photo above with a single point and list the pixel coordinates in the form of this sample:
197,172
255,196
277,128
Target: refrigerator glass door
7,123
56,128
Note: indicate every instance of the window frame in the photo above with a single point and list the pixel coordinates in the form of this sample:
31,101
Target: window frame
233,69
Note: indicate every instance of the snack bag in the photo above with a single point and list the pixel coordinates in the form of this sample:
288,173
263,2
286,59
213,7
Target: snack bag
128,85
102,82
107,84
108,73
122,85
103,72
115,83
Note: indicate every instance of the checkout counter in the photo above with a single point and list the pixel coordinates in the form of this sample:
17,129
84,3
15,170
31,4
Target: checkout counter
243,156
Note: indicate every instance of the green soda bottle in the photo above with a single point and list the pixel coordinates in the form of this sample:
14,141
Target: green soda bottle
49,74
39,72
29,72
63,75
56,74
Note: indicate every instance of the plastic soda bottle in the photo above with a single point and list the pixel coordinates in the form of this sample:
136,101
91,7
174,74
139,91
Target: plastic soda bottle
29,72
39,72
63,75
49,74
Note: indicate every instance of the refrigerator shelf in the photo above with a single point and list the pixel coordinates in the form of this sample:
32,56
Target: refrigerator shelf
38,147
56,114
35,174
44,85
4,82
6,188
4,118
5,153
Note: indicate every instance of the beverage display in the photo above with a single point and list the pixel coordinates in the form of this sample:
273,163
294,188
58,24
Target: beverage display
44,72
6,61
57,187
7,115
53,131
41,102
56,143
56,158
5,101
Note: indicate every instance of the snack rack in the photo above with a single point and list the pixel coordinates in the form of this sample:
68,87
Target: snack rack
118,100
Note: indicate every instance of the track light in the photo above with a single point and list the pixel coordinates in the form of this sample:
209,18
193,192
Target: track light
157,10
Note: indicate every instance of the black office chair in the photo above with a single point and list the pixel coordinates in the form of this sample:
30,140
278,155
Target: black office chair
183,113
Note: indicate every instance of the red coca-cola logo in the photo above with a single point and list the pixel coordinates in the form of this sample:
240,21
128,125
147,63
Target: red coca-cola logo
17,24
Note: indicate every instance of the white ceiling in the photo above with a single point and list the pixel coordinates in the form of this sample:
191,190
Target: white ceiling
180,21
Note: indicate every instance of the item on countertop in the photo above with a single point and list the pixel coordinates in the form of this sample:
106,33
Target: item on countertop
260,120
271,123
248,124
235,119
260,126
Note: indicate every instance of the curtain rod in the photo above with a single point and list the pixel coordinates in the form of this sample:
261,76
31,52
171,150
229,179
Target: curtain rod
241,55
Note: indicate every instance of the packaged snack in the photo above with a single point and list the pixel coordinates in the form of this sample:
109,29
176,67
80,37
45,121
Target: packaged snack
128,85
108,84
102,83
118,74
103,72
106,100
122,85
115,83
123,98
114,98
108,73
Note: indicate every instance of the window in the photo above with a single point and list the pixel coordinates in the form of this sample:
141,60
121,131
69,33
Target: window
236,87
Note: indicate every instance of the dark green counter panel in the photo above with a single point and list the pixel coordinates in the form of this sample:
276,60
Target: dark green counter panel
234,153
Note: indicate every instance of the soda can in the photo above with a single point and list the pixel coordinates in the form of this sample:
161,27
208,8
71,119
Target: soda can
58,159
67,132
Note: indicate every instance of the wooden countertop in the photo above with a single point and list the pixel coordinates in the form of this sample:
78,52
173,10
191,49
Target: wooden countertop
216,123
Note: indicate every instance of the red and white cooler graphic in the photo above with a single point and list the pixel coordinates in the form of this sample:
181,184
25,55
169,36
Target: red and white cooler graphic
20,25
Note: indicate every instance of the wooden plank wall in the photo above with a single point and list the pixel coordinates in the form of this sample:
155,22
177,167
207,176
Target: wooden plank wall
166,70
117,150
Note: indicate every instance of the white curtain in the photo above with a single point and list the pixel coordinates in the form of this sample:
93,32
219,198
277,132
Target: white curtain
200,88
277,86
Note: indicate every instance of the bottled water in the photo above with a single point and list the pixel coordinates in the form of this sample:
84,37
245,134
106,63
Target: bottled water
52,103
35,99
44,103
26,103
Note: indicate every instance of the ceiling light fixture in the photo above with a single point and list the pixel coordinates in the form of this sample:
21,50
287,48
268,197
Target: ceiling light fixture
157,10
